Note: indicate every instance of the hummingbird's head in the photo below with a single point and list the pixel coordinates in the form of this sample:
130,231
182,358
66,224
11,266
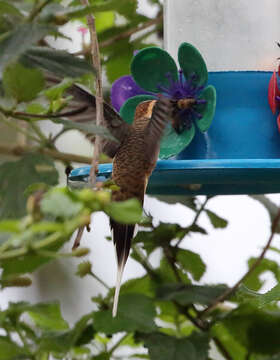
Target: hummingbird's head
145,109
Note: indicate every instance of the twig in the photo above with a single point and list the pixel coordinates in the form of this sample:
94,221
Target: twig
200,324
222,349
118,343
171,260
145,262
16,150
38,131
203,326
99,94
78,237
125,34
197,215
99,105
50,116
37,9
130,32
18,128
231,290
99,280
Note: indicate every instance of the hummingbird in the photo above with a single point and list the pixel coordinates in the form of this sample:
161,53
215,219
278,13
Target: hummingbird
134,156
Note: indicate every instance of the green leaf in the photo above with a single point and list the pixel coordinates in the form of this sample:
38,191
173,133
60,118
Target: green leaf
191,61
104,20
118,63
7,8
150,66
136,312
163,234
127,111
102,356
55,92
255,329
10,226
62,341
190,294
48,317
268,297
17,41
125,212
141,285
87,128
60,14
58,203
58,62
32,168
166,274
164,347
25,264
234,348
217,221
10,350
207,110
191,262
253,281
15,80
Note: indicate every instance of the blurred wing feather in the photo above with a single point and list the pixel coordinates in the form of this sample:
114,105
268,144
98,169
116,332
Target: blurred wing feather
82,99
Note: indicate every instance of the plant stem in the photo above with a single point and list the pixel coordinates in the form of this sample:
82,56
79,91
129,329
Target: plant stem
38,131
99,280
125,34
17,150
22,338
230,291
37,9
99,93
130,32
49,116
222,349
18,128
145,263
172,263
117,344
197,215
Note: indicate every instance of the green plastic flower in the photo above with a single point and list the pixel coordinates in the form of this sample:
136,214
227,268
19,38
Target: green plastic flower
155,72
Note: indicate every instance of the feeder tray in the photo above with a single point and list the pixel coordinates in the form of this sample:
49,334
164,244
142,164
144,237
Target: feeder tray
239,154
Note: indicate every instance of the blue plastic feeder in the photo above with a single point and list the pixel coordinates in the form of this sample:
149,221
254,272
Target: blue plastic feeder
240,153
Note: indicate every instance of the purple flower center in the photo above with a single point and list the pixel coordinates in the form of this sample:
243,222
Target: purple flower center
184,113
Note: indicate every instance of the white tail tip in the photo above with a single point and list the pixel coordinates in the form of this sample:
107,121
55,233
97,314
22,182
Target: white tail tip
118,286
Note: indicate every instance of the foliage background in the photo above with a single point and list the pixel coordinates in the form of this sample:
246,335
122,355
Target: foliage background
160,314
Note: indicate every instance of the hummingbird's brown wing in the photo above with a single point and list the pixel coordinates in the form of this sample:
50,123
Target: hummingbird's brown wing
161,115
82,108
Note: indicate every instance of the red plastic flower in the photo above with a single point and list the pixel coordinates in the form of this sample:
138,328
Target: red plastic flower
274,94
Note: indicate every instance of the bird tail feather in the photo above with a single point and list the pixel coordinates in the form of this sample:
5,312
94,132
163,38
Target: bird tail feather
122,236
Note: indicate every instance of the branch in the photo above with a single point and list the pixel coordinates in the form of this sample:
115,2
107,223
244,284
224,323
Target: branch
18,114
222,349
37,9
230,291
16,150
197,215
99,94
125,34
130,32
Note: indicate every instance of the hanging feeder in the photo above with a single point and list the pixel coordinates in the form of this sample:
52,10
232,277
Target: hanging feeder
240,152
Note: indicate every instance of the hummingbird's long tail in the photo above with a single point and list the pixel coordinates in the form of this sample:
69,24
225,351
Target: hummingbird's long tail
122,236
